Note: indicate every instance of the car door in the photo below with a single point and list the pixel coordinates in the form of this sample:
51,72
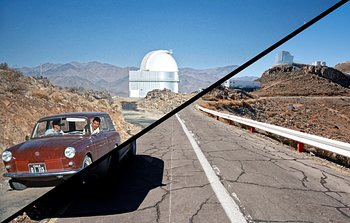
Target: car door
100,141
113,137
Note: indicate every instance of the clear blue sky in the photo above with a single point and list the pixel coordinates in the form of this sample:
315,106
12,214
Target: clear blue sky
201,33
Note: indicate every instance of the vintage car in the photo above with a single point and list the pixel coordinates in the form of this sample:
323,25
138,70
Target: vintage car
55,155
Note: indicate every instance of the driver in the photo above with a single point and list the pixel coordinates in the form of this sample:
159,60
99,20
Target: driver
56,128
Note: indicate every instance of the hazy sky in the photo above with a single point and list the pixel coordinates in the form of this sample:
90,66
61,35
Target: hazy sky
201,33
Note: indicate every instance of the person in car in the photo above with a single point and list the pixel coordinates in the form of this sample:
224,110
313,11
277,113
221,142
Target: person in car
95,125
56,128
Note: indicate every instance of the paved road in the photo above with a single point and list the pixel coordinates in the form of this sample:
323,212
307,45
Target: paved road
272,183
11,201
133,115
167,182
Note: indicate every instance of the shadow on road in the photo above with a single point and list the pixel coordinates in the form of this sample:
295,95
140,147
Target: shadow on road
122,191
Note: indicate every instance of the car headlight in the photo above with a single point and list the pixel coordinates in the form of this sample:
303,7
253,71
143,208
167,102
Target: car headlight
69,152
6,156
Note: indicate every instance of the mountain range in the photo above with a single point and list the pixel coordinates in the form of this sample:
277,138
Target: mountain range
114,79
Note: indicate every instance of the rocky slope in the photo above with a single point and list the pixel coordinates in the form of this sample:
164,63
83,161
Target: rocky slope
162,101
304,80
343,67
25,99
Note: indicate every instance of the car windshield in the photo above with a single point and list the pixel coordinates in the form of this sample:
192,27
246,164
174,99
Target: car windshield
60,126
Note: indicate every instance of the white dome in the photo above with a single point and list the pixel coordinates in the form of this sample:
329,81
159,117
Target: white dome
159,60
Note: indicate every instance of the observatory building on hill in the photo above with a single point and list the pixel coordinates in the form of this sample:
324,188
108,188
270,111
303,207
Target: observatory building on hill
158,70
284,57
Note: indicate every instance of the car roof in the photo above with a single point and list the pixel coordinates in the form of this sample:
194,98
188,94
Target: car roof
74,114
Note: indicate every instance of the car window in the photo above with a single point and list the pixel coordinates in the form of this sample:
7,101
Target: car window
80,125
68,126
109,123
39,129
74,125
103,126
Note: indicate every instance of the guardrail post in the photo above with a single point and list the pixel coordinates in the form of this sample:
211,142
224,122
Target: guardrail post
300,147
217,117
252,129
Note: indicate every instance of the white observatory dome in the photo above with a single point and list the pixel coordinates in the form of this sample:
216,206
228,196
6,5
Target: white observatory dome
159,60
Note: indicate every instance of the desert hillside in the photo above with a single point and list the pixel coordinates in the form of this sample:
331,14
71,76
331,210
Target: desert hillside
312,99
304,80
343,67
25,99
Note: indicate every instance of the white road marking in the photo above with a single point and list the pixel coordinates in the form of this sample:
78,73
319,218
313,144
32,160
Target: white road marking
171,176
231,208
217,170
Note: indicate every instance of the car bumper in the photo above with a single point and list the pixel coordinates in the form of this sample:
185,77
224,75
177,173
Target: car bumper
42,176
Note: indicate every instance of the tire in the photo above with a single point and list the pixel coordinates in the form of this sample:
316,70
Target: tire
87,161
113,162
15,185
132,150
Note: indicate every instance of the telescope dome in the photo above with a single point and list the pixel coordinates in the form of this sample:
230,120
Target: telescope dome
159,60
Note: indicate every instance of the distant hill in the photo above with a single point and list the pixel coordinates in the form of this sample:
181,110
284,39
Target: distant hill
246,78
91,75
102,76
304,80
343,67
194,79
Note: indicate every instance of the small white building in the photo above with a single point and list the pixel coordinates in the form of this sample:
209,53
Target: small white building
158,70
226,83
284,57
320,63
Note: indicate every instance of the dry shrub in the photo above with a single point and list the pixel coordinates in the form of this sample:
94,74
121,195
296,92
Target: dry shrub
270,114
333,157
209,97
208,105
40,94
103,102
57,97
224,104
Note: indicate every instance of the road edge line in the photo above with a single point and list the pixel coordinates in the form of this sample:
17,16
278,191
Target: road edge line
230,207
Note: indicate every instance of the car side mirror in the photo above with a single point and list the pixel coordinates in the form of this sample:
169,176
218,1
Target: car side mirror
27,137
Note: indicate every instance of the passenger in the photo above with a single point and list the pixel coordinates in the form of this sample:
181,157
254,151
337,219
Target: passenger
95,125
56,128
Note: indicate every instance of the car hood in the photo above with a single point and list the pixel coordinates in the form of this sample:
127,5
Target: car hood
49,148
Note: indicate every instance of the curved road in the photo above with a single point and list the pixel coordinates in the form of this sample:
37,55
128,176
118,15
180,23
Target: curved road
257,180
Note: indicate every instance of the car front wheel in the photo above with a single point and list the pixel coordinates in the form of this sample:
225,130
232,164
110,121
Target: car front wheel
15,185
132,151
87,161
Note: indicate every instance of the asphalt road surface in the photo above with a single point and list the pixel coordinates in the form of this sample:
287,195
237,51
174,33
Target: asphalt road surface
11,201
193,168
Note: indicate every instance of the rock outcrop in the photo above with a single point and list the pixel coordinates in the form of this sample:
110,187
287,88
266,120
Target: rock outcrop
162,100
300,80
343,67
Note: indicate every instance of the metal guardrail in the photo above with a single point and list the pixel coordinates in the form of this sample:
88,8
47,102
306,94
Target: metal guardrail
335,146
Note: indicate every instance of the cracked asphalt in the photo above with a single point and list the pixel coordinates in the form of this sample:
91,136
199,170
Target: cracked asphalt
272,182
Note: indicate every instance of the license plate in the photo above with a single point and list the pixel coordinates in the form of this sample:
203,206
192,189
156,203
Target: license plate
37,168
